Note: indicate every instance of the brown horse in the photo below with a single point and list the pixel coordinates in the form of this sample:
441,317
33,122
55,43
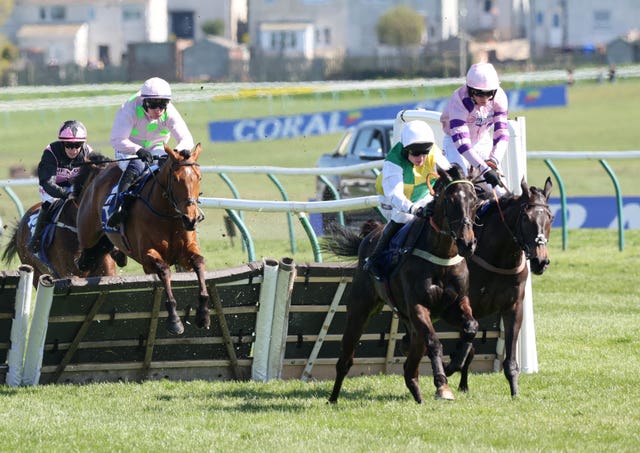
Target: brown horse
510,231
431,281
60,242
160,230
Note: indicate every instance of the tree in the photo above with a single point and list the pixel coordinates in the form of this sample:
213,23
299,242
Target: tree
213,27
401,26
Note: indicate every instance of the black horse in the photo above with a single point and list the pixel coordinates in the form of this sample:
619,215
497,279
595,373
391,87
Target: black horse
430,282
510,231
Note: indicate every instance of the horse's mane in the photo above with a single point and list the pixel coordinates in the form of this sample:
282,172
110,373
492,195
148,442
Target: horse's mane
94,163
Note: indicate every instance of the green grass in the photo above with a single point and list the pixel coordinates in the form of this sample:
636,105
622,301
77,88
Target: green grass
584,398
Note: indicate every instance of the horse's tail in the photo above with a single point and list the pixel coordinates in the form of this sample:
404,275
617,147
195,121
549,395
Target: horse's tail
343,241
11,249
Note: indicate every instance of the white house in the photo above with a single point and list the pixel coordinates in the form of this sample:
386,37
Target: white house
86,32
584,24
186,17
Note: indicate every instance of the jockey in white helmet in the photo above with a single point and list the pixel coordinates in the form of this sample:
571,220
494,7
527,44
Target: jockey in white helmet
140,130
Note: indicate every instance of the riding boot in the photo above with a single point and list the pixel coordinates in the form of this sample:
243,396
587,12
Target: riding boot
44,217
372,263
122,200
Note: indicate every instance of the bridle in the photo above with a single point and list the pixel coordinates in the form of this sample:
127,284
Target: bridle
464,221
518,237
167,192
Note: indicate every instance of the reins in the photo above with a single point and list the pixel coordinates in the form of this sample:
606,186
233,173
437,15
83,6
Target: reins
167,193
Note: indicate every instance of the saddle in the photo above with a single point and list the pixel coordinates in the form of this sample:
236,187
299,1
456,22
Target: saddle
132,193
400,246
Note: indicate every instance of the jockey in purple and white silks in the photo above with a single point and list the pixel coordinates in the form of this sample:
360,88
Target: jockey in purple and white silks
475,123
56,172
140,130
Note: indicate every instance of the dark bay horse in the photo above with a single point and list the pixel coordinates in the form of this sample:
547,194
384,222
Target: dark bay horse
429,283
57,256
160,230
510,231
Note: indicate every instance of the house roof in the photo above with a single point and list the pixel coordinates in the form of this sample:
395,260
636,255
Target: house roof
48,30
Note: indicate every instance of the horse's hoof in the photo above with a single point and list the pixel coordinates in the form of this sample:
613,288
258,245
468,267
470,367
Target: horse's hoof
175,327
444,393
203,319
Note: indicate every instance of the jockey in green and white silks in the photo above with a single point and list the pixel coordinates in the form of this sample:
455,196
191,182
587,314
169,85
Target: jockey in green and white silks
140,130
403,184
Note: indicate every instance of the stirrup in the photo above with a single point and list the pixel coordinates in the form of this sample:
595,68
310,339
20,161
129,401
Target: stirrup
116,218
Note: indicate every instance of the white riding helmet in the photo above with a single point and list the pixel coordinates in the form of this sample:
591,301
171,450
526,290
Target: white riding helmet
416,131
483,76
156,87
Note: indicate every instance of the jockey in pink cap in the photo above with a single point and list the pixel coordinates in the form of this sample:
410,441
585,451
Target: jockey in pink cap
475,123
56,172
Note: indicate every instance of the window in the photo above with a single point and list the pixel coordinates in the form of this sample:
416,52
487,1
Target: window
182,24
602,19
53,13
131,13
58,13
327,35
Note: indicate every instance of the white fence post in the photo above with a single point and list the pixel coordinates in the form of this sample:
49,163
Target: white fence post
20,327
264,320
38,331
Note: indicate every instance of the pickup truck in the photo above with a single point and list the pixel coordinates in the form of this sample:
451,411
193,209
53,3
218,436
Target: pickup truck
367,141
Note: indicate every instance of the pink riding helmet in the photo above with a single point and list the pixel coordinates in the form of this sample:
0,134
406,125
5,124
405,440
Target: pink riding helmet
72,131
483,76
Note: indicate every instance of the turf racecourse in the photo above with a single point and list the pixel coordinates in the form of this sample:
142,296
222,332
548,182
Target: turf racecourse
584,398
587,305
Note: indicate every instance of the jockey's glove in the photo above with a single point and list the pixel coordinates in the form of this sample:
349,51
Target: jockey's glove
491,177
145,156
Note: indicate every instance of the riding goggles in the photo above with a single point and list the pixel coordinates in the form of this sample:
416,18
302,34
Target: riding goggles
73,145
418,149
155,103
481,93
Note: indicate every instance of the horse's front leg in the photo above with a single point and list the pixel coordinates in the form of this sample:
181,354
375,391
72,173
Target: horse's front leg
512,322
155,264
203,314
425,340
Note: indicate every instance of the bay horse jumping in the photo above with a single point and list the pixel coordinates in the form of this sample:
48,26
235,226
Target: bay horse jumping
430,281
160,230
510,231
60,241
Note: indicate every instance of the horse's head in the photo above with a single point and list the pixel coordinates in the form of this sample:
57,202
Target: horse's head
457,201
534,225
183,184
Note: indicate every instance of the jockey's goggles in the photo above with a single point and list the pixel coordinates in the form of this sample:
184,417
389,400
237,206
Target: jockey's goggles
74,145
155,103
418,149
481,93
